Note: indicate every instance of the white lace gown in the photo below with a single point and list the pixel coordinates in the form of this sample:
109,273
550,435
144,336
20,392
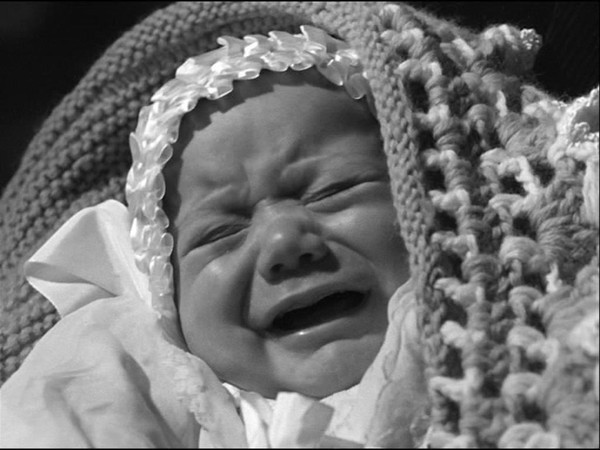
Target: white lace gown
106,376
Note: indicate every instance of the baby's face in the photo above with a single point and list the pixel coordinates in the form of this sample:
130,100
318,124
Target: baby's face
286,253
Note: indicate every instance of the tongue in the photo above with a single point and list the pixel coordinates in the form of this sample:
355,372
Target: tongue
327,309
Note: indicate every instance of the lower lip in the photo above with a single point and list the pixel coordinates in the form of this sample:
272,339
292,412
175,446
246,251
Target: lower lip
346,326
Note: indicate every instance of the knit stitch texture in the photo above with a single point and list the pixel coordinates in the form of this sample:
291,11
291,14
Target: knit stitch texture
494,183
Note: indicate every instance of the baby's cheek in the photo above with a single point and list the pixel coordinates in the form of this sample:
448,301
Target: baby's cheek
206,294
211,310
199,305
365,224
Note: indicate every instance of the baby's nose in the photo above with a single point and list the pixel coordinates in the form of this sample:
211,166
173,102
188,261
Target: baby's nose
290,241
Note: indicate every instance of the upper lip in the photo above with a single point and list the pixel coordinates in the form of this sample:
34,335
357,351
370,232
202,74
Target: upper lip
306,297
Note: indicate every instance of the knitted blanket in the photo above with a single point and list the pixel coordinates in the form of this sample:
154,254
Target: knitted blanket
495,185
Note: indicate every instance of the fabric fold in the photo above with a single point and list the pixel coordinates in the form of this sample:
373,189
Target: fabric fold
87,270
88,258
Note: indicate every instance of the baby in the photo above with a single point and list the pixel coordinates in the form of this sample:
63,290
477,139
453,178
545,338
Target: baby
254,292
281,235
285,250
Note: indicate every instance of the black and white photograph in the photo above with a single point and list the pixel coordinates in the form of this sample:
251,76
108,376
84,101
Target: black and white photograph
299,224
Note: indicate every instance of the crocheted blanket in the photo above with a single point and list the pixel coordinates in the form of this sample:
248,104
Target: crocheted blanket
495,185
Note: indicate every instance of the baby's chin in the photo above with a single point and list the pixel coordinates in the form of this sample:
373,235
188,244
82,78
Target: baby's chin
334,367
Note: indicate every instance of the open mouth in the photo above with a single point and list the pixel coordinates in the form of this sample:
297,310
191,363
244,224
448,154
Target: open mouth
329,308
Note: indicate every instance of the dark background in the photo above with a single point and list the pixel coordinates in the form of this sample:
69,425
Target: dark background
46,47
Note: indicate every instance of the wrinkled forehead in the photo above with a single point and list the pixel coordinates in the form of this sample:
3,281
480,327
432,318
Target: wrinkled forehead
288,127
295,113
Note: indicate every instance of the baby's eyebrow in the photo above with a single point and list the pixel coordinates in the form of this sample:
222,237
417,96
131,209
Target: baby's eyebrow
215,201
342,159
296,175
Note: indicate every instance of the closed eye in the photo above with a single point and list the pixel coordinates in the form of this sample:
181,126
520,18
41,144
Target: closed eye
339,187
219,232
329,191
